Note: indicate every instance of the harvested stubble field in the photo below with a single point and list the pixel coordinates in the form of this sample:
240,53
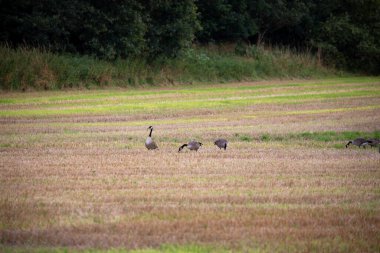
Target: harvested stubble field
75,175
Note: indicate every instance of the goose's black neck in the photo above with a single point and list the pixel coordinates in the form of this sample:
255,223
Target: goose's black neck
150,134
180,148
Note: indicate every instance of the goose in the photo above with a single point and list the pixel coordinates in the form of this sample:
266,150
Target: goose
360,142
149,143
221,143
192,145
374,142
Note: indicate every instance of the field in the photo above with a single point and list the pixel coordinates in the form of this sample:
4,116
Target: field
75,175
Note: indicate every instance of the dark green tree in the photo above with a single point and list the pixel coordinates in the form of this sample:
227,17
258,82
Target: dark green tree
225,20
272,16
349,34
107,29
171,26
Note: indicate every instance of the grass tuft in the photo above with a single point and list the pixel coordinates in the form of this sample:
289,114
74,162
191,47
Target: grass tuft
243,137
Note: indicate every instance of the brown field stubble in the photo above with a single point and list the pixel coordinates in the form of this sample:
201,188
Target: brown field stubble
86,181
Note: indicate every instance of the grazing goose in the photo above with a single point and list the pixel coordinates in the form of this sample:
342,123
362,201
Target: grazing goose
192,145
221,143
149,143
360,142
374,142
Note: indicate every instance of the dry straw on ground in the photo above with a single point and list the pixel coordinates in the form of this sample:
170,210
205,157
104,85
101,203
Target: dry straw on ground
86,181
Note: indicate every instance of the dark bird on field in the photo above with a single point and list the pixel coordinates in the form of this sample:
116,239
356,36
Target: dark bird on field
360,142
221,143
374,142
192,145
149,143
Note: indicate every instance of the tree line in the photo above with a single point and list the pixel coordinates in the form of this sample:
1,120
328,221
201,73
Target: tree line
346,33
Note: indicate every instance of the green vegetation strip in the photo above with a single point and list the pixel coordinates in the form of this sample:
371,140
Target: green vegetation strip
228,94
328,136
323,111
147,106
51,97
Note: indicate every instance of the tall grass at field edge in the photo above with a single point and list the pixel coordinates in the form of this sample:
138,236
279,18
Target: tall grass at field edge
38,69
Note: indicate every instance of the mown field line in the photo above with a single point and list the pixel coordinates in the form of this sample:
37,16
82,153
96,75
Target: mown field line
321,111
186,105
56,96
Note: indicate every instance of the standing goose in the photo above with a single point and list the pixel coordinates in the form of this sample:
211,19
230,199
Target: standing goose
149,143
221,143
360,142
192,145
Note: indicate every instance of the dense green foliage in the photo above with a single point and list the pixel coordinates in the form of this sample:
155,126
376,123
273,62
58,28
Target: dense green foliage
351,36
126,28
172,25
223,20
345,33
22,68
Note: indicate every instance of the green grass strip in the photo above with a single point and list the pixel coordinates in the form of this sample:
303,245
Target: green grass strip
157,107
50,97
